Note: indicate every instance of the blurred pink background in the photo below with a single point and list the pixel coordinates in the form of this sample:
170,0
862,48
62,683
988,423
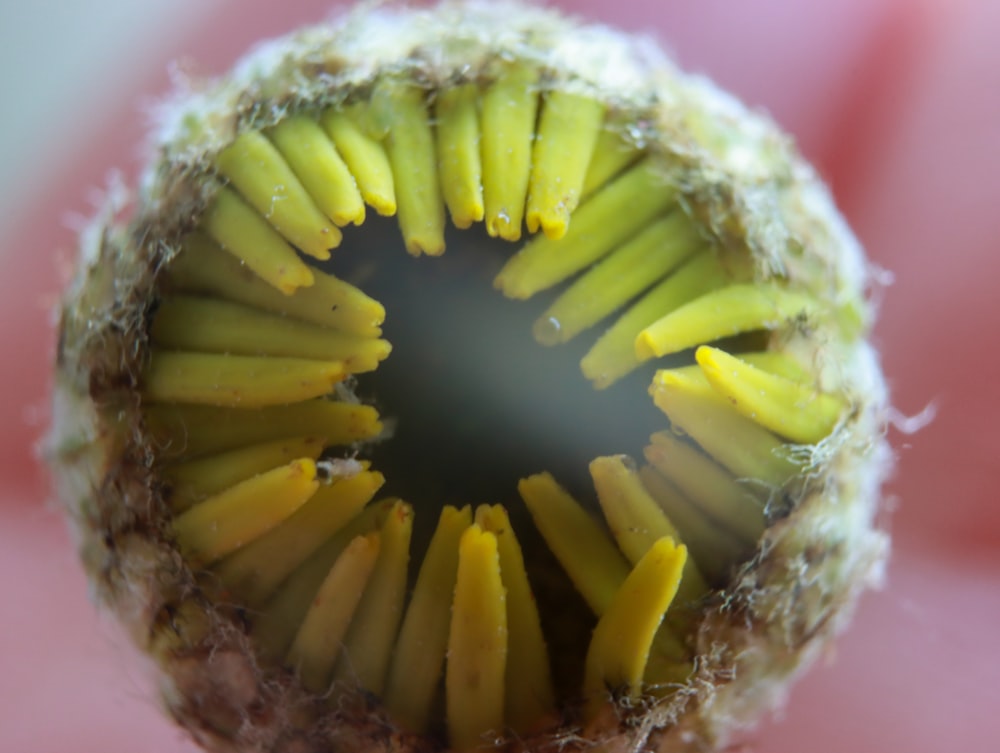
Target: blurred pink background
896,101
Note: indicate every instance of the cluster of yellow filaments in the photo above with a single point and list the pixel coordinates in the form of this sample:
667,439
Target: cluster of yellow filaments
251,342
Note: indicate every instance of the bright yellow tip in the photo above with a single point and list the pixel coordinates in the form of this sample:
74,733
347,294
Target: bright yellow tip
190,431
275,626
747,449
365,157
202,267
459,163
410,146
636,521
584,550
208,325
567,132
222,523
613,355
621,643
235,226
530,696
611,283
423,639
730,311
477,644
508,108
243,381
602,223
708,485
321,635
195,480
315,161
257,170
796,411
255,571
368,645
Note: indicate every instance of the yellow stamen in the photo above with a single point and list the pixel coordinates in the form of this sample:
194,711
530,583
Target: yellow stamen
423,639
708,485
778,363
602,223
619,649
748,450
714,548
235,226
245,381
194,480
275,625
365,157
410,146
209,325
189,431
610,284
611,155
226,521
613,355
723,313
636,521
509,106
583,549
793,410
318,643
369,641
257,170
255,571
530,696
205,268
459,162
315,161
567,132
477,644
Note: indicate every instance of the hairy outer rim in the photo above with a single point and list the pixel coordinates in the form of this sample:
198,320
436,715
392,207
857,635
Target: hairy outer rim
738,175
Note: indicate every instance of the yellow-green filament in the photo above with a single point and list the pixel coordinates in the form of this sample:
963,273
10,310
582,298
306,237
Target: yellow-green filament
530,696
410,146
636,521
602,223
508,106
423,638
459,162
244,381
714,548
226,521
205,268
611,155
190,431
708,485
257,170
619,649
477,643
567,132
369,641
613,355
320,637
776,362
611,283
584,550
323,173
256,570
194,480
747,449
234,225
722,313
796,411
275,625
365,157
208,325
